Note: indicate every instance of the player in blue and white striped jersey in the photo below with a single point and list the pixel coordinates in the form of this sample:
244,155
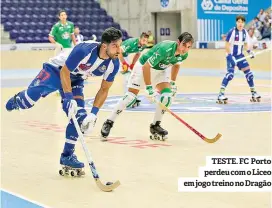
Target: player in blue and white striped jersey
237,39
66,73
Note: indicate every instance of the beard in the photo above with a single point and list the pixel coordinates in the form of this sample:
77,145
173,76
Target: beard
112,55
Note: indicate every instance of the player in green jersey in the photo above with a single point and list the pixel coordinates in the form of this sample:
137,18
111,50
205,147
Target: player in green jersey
62,33
129,46
154,70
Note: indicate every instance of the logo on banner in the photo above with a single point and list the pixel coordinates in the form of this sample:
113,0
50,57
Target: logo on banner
207,5
225,6
164,3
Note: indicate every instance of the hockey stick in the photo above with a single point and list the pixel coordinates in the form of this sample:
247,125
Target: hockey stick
109,186
208,140
255,54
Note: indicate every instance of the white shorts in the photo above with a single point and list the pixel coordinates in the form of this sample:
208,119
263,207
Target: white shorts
136,79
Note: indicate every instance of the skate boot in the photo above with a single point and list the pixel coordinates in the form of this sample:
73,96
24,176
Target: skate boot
12,104
71,166
255,97
105,131
222,99
136,104
157,132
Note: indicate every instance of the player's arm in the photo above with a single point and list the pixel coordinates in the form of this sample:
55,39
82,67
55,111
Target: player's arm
229,40
102,94
174,72
73,37
147,73
247,46
135,59
121,57
52,34
106,83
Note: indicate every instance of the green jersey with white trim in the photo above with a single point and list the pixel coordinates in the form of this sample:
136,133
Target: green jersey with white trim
62,33
162,55
131,45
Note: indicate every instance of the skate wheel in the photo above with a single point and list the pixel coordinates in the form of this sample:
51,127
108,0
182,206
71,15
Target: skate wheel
61,172
72,173
151,137
258,99
103,139
225,102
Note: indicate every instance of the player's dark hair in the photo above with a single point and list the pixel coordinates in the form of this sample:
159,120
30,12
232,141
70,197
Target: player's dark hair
144,35
186,38
60,11
111,34
240,17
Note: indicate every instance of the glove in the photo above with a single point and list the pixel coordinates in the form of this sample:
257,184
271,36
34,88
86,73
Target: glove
131,66
88,123
174,88
251,54
125,66
231,60
150,92
69,105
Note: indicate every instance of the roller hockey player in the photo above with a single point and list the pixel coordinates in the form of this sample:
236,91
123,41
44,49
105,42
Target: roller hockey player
156,66
65,73
131,45
236,39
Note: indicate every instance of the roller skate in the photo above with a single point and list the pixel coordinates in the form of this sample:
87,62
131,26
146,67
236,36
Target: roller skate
222,99
105,131
255,97
71,166
157,132
136,104
12,104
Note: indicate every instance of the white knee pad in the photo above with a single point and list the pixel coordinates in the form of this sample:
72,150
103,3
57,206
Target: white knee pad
129,99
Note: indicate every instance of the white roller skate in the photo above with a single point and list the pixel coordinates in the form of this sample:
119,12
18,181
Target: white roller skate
222,99
255,97
157,132
105,131
71,166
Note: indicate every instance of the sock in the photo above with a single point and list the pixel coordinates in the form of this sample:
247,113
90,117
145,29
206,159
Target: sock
128,100
71,133
24,100
250,79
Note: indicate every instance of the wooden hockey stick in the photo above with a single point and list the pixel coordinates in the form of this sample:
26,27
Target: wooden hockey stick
255,54
109,186
206,139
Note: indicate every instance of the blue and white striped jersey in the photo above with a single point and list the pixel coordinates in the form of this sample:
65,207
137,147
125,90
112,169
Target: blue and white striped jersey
237,39
84,60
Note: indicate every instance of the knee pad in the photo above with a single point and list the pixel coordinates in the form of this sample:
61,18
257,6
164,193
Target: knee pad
229,76
249,75
166,97
129,99
77,90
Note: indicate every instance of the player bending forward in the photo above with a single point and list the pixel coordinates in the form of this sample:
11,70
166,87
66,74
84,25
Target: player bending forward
236,39
131,45
153,70
65,73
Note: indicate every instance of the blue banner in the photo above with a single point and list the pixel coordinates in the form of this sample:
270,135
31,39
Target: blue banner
217,17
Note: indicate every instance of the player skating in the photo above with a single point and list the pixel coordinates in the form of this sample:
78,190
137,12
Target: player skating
236,40
131,45
65,73
153,70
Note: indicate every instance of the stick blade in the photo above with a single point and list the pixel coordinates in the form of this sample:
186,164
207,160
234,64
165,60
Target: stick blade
215,139
107,188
